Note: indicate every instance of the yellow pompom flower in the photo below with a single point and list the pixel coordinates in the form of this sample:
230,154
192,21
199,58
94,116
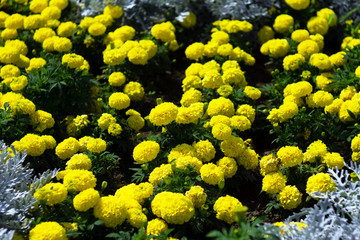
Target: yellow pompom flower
298,4
33,144
194,51
329,15
273,182
86,199
290,156
211,174
269,163
72,60
163,114
79,180
212,79
233,146
308,47
221,106
114,11
105,120
96,145
19,83
160,173
156,226
117,79
134,90
225,50
320,182
317,25
300,35
289,197
314,150
111,210
293,62
114,129
355,144
299,89
283,23
37,6
61,4
35,63
9,34
48,231
146,151
197,196
138,56
247,111
275,48
338,59
97,29
163,31
220,37
321,61
221,131
51,193
240,123
226,207
181,150
252,92
66,29
323,81
248,158
79,161
191,114
348,105
114,56
205,150
184,162
333,160
322,98
119,100
190,96
265,34
228,166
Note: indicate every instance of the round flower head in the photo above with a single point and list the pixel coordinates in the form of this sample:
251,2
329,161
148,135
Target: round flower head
156,226
174,208
300,35
33,144
233,146
205,150
188,161
240,123
317,25
96,145
48,231
265,34
79,180
86,199
191,81
190,96
194,51
117,79
221,131
138,56
348,105
163,114
212,79
114,11
79,161
210,49
275,48
283,23
119,101
329,15
97,29
134,90
72,60
290,156
111,210
211,174
197,196
298,4
293,62
220,37
321,61
252,92
248,158
289,197
146,151
221,106
322,98
52,193
308,47
273,182
9,34
19,83
105,121
334,107
333,160
320,182
163,31
160,173
314,150
61,4
299,89
228,166
355,144
226,207
268,164
114,56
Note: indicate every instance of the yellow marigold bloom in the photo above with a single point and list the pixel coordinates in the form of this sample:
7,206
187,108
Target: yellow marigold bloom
42,120
9,34
191,81
43,33
252,92
37,6
329,15
35,63
51,12
149,46
105,120
247,111
197,196
248,158
66,29
114,56
221,106
96,145
119,101
225,50
283,23
136,122
111,210
137,192
184,162
323,81
194,51
333,159
114,11
52,193
299,89
321,61
205,150
67,148
210,65
228,166
211,174
48,230
241,123
265,34
349,105
275,48
96,29
322,98
156,226
86,199
357,71
187,19
163,31
3,16
212,79
300,35
72,60
191,114
226,207
338,59
49,140
269,163
138,56
59,44
117,79
319,39
317,25
146,151
355,156
298,4
273,182
181,150
105,19
347,93
163,114
86,22
19,83
160,173
114,129
15,21
225,90
33,144
174,208
190,96
290,156
230,64
221,131
308,47
233,146
220,37
289,197
79,161
220,119
320,182
136,218
79,180
314,150
210,49
355,144
61,4
293,62
123,33
17,45
134,90
334,107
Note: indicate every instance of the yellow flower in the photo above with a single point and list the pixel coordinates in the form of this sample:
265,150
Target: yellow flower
79,161
96,145
228,166
308,47
317,25
226,207
289,197
221,106
300,35
233,146
265,33
283,23
333,159
221,131
298,4
156,226
273,182
314,150
146,151
111,210
329,15
163,114
321,61
293,62
248,158
119,100
97,29
86,199
252,92
194,51
48,231
79,180
197,196
275,48
211,174
322,98
52,193
290,156
160,173
134,90
320,182
114,11
269,163
205,150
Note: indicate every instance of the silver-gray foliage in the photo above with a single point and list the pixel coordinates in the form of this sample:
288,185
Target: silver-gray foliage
335,216
17,186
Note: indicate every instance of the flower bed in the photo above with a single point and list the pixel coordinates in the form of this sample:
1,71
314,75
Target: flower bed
181,122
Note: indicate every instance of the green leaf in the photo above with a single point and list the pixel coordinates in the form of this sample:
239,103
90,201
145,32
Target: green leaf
113,235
